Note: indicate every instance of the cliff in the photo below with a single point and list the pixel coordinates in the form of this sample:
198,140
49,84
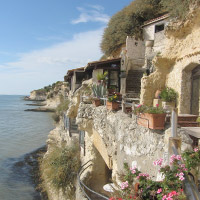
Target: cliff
38,95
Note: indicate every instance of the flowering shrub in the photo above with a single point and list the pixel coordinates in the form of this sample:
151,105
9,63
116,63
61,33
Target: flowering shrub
170,188
114,97
149,109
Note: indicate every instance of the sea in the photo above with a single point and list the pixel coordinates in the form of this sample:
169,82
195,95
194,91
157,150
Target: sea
21,134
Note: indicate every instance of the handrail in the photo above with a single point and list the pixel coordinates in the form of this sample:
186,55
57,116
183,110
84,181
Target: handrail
82,185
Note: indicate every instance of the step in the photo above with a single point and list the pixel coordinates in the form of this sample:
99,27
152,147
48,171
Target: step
188,124
184,117
187,117
193,131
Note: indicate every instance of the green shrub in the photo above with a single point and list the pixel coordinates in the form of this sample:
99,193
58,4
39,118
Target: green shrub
62,107
60,167
178,8
168,95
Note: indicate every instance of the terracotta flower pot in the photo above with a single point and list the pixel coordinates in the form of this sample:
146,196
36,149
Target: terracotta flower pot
96,102
152,121
112,105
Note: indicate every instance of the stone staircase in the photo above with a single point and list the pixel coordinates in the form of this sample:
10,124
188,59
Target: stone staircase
187,120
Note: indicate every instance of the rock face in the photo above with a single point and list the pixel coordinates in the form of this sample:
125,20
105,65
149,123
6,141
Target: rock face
175,63
56,137
38,95
119,139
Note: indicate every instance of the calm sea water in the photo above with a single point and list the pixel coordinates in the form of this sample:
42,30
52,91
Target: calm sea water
20,133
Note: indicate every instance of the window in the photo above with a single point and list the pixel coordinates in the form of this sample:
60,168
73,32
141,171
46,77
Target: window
159,28
79,77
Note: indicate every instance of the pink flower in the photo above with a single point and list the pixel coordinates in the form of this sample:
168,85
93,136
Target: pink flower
158,162
159,191
174,158
124,185
157,105
169,198
178,157
181,178
164,197
174,193
139,105
196,149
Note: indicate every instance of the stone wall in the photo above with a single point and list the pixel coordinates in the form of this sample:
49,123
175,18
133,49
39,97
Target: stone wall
124,140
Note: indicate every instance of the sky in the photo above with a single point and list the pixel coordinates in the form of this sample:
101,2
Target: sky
41,39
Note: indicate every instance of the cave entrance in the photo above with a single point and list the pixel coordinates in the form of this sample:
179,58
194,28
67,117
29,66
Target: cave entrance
195,91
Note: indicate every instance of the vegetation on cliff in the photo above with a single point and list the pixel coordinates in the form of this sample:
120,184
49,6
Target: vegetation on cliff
61,108
179,8
129,20
60,167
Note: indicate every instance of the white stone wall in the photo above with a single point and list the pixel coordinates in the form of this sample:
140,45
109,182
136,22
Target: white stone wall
125,141
149,30
134,48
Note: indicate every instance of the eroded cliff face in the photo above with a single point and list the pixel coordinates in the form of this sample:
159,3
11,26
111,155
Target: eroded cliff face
174,65
119,139
38,95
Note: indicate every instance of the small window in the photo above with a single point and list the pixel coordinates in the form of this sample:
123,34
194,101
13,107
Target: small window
159,28
79,77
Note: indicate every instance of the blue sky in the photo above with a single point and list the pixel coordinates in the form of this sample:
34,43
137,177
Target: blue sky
41,39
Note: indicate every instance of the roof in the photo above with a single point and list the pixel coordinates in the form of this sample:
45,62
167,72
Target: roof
156,20
95,63
70,72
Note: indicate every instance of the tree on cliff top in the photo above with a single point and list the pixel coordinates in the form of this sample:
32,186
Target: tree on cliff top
128,21
179,8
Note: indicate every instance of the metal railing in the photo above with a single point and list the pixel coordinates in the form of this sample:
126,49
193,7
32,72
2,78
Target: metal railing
83,187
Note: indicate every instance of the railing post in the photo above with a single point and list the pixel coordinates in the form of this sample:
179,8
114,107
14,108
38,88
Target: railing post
123,106
133,108
174,121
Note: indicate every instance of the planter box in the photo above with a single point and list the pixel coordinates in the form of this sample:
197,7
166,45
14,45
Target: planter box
112,105
96,102
152,121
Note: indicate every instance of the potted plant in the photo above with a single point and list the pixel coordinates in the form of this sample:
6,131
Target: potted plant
102,77
99,91
150,117
112,103
168,96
